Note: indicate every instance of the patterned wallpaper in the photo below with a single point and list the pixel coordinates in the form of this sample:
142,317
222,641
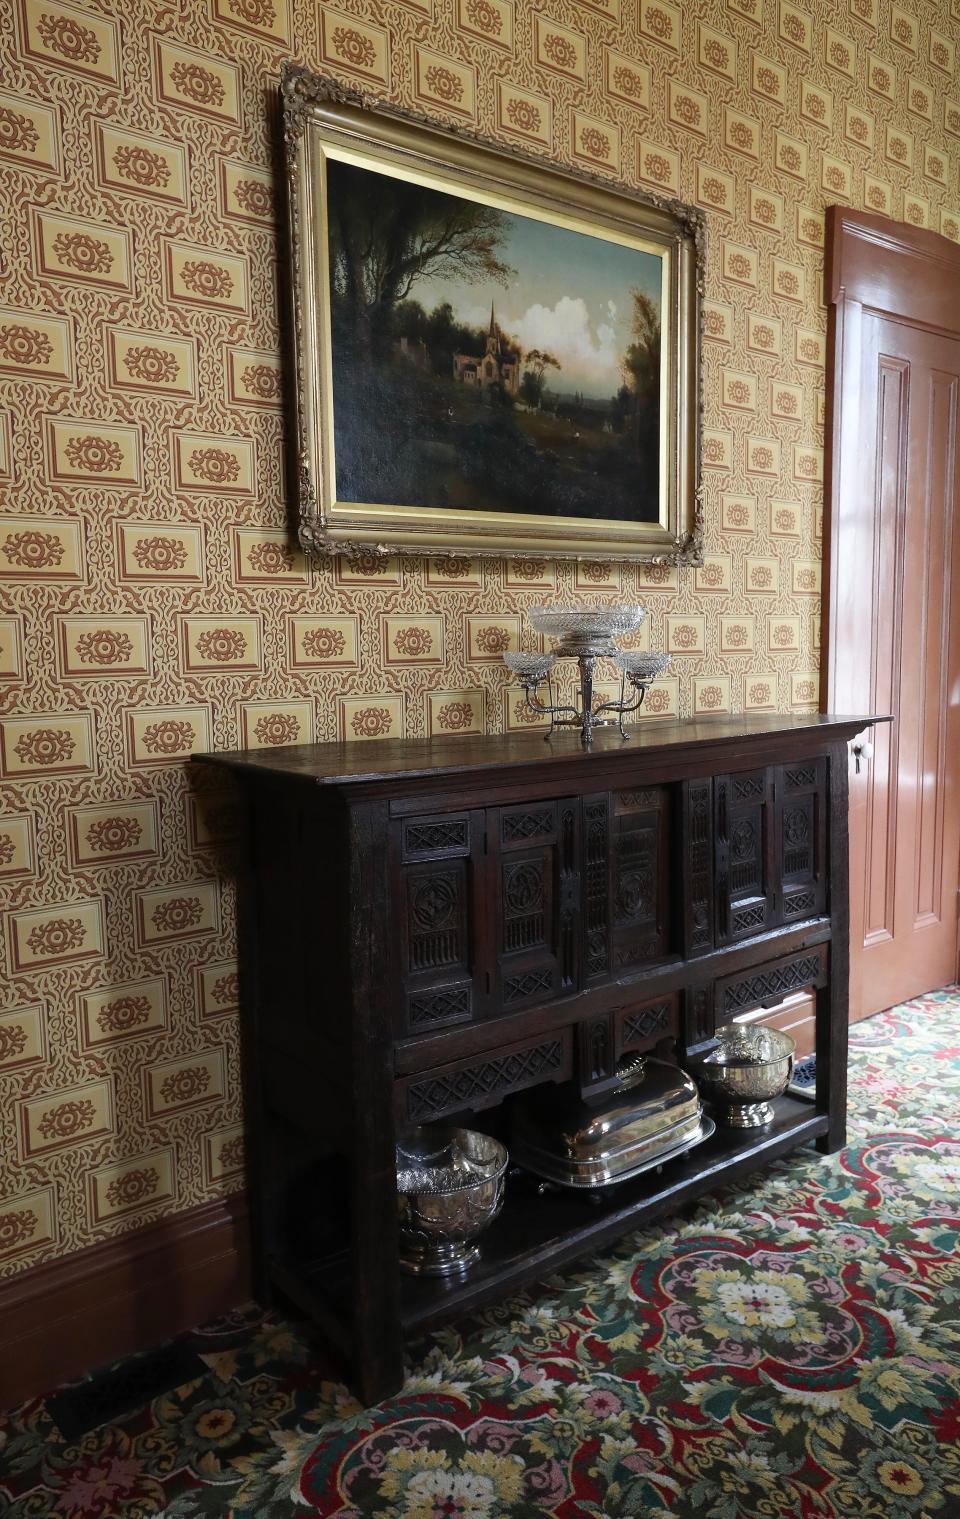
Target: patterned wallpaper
150,602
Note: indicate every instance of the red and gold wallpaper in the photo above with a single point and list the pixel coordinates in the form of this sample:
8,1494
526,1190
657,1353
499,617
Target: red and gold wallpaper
151,604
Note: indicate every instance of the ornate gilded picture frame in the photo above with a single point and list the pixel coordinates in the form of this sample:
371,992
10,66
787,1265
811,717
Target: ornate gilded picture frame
493,356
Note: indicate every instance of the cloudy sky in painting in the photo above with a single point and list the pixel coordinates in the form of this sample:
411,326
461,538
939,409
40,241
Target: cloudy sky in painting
571,294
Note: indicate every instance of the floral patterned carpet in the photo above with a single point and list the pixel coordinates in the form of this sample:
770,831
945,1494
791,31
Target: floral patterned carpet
790,1349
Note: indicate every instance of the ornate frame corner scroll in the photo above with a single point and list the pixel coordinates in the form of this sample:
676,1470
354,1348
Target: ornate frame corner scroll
321,115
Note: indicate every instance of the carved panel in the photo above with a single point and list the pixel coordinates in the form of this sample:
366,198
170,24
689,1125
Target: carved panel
569,913
445,1004
698,865
596,887
597,1057
433,972
746,864
800,904
746,788
770,984
534,983
635,951
635,876
699,1015
435,836
749,918
797,839
637,801
744,884
524,903
436,906
800,776
532,823
646,1023
801,839
484,1082
638,879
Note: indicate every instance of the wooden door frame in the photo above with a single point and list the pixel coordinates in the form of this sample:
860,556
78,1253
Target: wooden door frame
879,265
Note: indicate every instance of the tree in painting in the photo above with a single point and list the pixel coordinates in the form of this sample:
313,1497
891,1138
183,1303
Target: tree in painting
488,361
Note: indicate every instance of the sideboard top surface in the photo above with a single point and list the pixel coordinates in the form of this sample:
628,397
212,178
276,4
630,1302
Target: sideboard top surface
359,762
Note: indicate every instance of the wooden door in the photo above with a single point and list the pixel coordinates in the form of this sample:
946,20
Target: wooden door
893,594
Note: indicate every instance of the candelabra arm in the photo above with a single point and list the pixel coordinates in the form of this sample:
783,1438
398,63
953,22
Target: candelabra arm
534,701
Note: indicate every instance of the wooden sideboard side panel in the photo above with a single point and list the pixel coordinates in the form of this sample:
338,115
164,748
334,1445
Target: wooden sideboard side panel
285,1008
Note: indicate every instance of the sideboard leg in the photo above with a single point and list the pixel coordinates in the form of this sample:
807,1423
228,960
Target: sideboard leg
374,1228
833,1010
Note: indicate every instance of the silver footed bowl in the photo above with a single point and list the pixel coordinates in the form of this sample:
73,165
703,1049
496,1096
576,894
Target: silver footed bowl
587,629
449,1189
746,1070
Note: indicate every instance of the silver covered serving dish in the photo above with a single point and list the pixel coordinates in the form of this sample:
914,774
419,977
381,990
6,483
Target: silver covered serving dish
747,1069
653,1115
449,1189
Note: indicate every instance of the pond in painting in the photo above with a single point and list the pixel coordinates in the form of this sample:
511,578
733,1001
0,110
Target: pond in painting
487,360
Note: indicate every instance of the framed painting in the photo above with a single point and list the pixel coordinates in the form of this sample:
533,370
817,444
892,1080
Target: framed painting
492,356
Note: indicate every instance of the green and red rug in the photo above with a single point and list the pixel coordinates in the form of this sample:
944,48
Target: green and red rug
789,1351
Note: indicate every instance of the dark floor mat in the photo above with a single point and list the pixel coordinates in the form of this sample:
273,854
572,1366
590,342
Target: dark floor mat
116,1390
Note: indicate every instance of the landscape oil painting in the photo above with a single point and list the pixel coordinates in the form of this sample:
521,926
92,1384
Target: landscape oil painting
484,360
492,355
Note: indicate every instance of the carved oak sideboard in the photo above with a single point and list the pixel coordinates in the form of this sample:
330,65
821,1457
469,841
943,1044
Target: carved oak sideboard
429,927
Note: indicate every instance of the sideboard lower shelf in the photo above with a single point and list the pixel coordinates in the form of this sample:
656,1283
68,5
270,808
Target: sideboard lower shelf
526,1241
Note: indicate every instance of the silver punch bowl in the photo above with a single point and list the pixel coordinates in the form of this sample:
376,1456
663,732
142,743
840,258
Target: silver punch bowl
449,1189
748,1068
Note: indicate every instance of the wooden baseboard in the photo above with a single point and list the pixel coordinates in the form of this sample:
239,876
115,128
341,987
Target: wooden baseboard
59,1320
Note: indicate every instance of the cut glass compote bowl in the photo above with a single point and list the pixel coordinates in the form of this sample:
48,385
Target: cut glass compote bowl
587,629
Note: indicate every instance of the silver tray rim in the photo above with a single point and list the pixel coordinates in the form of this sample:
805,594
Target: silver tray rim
519,1152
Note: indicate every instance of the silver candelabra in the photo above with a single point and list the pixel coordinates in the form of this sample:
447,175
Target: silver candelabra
586,634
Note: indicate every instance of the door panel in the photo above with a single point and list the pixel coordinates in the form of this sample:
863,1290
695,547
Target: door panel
744,840
439,943
639,883
801,840
894,608
533,857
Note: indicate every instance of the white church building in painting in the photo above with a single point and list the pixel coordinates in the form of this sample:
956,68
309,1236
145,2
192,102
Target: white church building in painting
499,365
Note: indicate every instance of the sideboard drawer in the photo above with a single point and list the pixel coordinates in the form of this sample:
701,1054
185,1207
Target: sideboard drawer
484,1080
770,983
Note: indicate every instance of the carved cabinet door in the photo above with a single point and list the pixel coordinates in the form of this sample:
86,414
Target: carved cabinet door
801,834
535,895
744,854
440,948
639,880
